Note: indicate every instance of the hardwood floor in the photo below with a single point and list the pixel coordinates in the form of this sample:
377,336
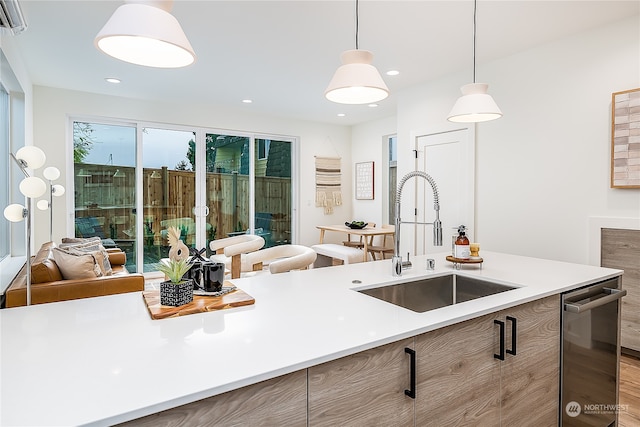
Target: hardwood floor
629,392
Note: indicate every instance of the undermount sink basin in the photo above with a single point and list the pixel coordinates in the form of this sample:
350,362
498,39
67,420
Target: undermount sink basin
436,292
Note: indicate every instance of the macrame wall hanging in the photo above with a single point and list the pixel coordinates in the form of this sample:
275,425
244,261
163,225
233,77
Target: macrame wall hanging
328,177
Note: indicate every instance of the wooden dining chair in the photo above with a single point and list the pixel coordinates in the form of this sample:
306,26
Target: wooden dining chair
358,243
385,250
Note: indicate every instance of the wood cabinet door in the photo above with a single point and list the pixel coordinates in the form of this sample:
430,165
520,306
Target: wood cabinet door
621,249
281,401
458,377
530,379
364,389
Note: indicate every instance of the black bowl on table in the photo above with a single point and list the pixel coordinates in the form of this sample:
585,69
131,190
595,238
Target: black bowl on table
356,226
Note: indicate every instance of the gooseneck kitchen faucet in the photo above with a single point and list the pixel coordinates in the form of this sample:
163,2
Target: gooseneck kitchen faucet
437,225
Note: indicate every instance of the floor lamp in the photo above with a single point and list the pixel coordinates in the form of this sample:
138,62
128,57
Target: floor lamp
31,187
51,174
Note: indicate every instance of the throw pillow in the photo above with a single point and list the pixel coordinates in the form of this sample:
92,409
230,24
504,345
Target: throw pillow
81,239
79,265
92,246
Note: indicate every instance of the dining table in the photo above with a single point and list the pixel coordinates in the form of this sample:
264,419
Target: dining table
368,233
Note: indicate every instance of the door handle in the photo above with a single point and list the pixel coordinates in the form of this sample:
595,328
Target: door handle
501,354
411,392
514,333
610,295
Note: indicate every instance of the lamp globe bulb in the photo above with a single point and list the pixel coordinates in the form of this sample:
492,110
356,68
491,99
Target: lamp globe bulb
57,190
51,173
32,156
43,205
14,212
33,187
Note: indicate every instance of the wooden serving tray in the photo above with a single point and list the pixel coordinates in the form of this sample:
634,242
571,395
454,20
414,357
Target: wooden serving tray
200,303
464,261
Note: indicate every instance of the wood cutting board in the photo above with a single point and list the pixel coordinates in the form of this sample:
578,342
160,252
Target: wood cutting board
200,304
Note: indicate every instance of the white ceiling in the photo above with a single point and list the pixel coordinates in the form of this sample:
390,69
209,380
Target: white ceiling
282,54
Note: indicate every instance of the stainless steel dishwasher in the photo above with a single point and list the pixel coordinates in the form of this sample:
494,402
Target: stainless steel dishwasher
590,354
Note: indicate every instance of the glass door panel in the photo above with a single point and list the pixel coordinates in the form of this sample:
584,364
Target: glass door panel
227,185
272,173
105,182
169,184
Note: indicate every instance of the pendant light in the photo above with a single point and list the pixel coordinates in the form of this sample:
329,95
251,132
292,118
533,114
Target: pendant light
475,104
144,32
356,81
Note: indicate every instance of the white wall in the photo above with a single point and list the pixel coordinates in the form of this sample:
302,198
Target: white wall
543,169
52,107
368,143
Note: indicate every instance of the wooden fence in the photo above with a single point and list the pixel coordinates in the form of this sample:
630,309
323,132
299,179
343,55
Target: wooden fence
107,193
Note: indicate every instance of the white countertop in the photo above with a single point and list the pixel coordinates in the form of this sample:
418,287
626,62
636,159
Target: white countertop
100,361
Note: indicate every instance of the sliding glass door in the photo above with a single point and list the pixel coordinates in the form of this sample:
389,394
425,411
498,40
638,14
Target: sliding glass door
273,190
207,185
248,187
227,185
168,186
104,173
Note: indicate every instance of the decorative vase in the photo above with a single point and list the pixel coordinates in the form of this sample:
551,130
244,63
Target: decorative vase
176,294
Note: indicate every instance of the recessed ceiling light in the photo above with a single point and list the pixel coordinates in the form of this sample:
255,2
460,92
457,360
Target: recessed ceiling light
247,101
341,114
112,80
393,72
373,105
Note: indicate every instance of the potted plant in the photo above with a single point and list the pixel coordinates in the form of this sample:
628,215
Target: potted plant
176,291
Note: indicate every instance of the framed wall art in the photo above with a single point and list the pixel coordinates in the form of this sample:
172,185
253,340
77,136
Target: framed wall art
364,181
625,139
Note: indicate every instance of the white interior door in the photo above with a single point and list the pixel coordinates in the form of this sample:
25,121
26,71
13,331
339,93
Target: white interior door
449,158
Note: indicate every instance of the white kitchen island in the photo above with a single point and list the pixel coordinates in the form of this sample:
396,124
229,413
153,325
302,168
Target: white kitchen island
101,361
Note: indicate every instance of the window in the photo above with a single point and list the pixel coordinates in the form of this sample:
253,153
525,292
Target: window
4,167
206,184
12,137
263,148
393,172
273,199
104,173
169,196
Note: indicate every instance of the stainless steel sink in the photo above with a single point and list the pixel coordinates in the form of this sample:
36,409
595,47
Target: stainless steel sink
435,292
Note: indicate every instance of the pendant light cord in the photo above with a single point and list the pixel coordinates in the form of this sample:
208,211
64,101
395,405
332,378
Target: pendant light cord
475,6
356,24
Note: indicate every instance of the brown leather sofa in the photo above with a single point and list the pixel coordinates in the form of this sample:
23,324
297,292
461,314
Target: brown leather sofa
48,285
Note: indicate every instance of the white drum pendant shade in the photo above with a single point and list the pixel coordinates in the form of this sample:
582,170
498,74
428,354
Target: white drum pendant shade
475,105
356,81
145,35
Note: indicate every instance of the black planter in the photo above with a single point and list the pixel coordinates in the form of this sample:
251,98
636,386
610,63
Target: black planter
176,294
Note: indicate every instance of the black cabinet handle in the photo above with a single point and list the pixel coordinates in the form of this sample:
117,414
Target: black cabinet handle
501,355
514,333
412,391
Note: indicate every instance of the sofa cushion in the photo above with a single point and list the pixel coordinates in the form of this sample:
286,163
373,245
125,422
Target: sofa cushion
43,267
91,246
77,264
